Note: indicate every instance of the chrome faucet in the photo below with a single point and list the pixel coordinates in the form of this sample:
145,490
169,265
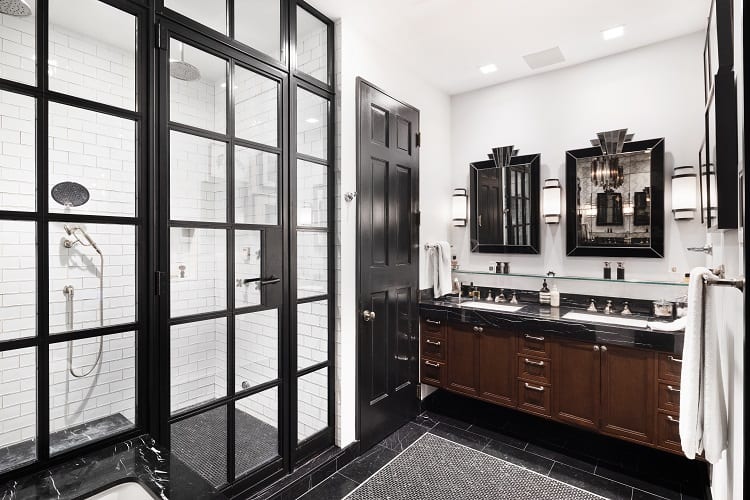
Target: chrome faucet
592,306
608,308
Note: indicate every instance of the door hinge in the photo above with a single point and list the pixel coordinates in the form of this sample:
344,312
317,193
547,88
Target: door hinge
159,278
419,139
419,391
418,218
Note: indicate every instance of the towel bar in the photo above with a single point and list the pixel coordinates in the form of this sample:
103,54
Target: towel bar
427,246
738,283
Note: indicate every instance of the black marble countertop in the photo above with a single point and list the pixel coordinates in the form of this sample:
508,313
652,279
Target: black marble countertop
538,319
140,460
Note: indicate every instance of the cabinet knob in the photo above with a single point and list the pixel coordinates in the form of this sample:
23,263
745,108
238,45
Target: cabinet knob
478,329
604,348
368,315
596,347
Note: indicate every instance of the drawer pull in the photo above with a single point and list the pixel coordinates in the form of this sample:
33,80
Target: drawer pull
478,329
676,360
433,342
672,419
533,387
672,389
432,363
432,321
531,337
535,363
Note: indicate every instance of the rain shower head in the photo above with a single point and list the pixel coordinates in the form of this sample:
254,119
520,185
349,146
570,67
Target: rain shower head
183,70
70,194
18,8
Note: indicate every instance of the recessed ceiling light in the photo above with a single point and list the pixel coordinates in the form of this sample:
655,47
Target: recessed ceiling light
487,69
312,120
615,32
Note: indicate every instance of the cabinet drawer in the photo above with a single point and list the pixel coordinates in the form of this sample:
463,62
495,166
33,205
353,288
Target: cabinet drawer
534,398
668,432
433,327
433,373
669,397
433,348
534,369
670,367
534,344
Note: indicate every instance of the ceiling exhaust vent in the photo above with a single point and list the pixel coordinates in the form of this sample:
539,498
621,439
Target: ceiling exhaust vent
544,58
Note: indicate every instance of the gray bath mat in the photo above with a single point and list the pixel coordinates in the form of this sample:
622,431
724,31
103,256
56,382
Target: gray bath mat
434,468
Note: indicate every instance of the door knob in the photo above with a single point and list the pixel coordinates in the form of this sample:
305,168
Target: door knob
368,315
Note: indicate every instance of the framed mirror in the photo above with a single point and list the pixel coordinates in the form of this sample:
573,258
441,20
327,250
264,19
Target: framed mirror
615,197
504,201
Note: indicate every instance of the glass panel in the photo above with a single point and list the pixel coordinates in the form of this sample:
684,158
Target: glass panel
198,273
92,389
198,362
312,194
97,152
92,51
258,24
312,403
256,430
17,280
197,178
212,14
247,261
17,408
312,333
312,45
256,348
312,124
201,442
18,46
312,263
91,275
256,107
17,150
197,87
256,186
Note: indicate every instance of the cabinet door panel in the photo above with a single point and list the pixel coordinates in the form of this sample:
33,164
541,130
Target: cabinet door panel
628,393
497,370
577,383
462,369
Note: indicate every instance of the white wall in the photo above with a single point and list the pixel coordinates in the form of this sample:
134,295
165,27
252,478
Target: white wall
561,110
359,57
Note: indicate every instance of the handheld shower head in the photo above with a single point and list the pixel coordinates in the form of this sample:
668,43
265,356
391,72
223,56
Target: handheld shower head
74,230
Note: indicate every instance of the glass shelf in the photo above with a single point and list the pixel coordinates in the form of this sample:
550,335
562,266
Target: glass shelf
574,278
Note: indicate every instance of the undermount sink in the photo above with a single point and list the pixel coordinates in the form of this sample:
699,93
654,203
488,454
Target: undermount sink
124,491
612,320
491,306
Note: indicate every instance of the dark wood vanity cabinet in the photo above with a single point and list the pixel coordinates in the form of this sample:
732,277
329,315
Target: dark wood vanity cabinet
497,371
578,383
462,373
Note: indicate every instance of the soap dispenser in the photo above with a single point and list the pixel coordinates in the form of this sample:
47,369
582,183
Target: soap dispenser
554,296
544,294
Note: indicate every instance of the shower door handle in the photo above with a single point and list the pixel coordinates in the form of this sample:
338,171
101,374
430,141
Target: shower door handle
271,280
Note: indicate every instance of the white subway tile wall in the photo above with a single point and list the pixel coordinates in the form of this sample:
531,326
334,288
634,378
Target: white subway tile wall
312,45
18,48
312,124
17,396
198,360
108,390
312,263
256,349
17,279
312,333
312,194
256,107
312,403
256,186
247,265
17,151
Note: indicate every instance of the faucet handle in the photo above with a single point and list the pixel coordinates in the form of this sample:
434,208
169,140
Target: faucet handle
592,306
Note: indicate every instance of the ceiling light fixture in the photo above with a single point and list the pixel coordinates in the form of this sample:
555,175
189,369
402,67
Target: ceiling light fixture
615,32
487,69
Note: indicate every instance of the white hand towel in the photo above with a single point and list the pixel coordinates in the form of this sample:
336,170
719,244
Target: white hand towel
440,258
671,326
691,418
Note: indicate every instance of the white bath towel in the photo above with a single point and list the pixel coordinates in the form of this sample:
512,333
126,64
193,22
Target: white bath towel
703,417
440,260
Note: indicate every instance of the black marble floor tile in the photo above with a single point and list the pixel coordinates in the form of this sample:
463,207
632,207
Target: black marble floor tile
590,482
369,463
574,459
460,436
402,438
644,495
660,486
459,424
335,487
498,436
323,472
295,490
518,457
425,420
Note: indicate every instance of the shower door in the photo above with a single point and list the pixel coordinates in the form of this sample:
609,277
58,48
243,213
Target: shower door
222,273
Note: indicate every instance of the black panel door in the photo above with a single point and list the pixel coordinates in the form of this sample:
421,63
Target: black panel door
388,201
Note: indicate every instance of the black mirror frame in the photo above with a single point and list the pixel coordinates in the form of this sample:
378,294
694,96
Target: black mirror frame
656,250
533,160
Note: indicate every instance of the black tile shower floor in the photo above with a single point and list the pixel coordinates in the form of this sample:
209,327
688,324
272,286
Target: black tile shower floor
604,466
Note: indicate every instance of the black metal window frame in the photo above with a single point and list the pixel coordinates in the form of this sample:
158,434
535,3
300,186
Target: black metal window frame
42,218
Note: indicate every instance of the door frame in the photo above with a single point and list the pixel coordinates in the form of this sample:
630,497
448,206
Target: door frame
359,81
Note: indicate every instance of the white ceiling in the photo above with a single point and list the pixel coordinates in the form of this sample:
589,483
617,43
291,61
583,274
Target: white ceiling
446,41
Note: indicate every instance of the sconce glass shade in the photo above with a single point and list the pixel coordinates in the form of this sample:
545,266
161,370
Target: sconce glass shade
684,189
551,201
460,207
